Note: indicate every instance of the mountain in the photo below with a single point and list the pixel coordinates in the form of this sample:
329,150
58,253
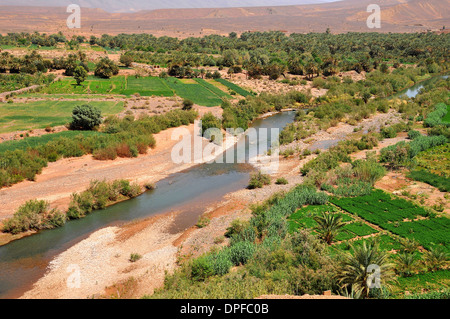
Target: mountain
341,16
137,5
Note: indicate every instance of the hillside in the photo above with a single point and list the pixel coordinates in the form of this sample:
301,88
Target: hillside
342,16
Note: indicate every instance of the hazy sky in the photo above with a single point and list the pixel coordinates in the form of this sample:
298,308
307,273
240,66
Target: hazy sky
136,5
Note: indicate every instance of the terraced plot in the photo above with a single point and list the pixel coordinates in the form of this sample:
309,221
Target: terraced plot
400,217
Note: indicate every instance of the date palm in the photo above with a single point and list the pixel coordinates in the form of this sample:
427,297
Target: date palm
436,258
328,226
406,263
354,268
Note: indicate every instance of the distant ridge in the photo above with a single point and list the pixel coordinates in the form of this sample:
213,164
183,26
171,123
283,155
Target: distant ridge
341,16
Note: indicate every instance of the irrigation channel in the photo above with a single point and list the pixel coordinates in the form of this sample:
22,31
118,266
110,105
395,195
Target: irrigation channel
24,261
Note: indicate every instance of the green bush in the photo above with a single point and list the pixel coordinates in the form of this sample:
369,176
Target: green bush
282,181
413,134
435,118
201,268
85,117
258,180
241,252
34,215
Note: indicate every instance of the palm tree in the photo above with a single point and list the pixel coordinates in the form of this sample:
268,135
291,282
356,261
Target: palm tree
328,226
406,264
409,245
354,268
436,258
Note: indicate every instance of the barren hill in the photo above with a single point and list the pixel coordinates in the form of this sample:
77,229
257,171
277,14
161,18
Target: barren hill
342,16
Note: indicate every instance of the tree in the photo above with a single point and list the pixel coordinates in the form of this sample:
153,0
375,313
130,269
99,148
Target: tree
436,258
406,264
328,226
354,268
126,60
106,68
80,74
85,117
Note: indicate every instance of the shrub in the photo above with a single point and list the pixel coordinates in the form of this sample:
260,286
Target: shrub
237,227
221,262
241,252
413,134
85,117
104,154
134,257
258,180
187,104
388,132
203,222
435,118
201,269
282,181
33,215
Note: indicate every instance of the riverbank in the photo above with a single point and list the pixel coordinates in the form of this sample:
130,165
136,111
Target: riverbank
109,273
61,179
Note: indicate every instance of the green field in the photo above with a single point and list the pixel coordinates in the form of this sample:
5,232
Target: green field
118,85
40,114
213,89
199,91
234,87
400,217
304,218
147,86
432,281
92,85
195,92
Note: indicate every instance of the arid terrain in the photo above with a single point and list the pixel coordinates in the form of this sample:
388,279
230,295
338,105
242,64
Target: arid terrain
341,16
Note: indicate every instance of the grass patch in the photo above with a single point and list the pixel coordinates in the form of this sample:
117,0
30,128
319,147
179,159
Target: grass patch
40,114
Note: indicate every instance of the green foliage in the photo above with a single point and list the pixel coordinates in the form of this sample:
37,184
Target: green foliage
33,215
413,134
435,118
400,154
282,181
440,182
134,257
353,273
211,126
328,226
80,74
106,68
85,117
99,195
259,180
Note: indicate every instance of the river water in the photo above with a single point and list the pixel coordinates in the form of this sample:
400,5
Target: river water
24,261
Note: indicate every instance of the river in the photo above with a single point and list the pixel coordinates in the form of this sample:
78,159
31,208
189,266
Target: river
24,261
